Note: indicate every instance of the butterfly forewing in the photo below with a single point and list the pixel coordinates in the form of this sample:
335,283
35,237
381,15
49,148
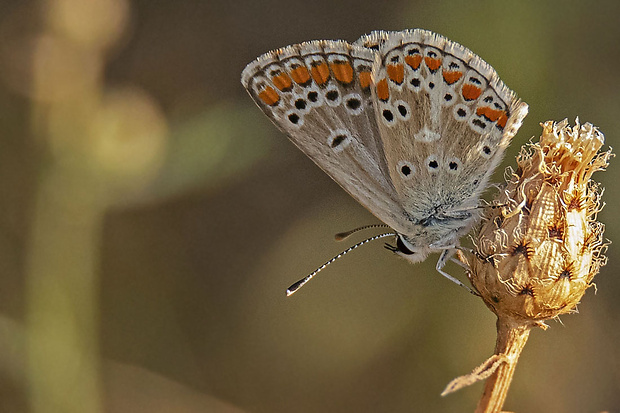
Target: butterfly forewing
319,94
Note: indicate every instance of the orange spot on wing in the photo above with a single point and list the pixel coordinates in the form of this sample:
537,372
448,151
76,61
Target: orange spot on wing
501,122
383,92
471,92
432,64
343,72
452,77
269,96
365,79
300,75
489,113
414,61
320,72
396,73
282,81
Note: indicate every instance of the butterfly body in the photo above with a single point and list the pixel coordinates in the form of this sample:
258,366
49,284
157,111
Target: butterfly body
411,124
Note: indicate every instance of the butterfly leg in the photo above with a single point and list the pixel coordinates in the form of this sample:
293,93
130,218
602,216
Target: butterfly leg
459,262
443,259
456,261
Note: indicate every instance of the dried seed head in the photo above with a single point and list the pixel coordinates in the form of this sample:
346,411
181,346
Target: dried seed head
536,256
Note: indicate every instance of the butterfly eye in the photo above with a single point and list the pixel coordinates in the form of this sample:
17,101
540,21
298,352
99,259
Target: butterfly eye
400,245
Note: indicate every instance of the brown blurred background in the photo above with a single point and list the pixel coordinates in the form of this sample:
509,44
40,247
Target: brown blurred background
151,217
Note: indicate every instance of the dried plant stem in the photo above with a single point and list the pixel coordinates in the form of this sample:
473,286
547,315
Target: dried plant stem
511,338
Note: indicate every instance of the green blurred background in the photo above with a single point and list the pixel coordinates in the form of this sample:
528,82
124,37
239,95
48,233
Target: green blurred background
151,217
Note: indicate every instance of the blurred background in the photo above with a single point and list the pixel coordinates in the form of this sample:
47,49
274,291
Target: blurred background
151,217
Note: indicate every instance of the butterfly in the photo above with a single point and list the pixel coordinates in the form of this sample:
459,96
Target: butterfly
409,123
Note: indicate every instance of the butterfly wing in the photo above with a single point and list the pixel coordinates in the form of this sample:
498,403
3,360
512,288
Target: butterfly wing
445,119
319,94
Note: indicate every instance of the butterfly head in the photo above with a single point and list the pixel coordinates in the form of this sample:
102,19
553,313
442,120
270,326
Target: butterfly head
410,252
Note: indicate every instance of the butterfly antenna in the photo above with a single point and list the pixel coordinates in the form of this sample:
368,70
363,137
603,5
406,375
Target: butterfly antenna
343,235
293,288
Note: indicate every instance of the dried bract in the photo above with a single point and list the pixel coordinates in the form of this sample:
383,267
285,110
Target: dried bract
536,255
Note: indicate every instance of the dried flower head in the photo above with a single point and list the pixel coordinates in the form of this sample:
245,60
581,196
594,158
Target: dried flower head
536,255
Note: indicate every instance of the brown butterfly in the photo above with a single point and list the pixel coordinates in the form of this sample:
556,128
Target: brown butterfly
409,123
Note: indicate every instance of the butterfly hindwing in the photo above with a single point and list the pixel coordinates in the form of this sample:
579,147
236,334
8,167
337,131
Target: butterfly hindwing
319,94
445,119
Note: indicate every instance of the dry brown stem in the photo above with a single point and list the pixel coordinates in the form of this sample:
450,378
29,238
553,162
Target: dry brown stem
511,339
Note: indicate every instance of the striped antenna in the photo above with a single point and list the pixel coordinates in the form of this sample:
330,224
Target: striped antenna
293,288
342,235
